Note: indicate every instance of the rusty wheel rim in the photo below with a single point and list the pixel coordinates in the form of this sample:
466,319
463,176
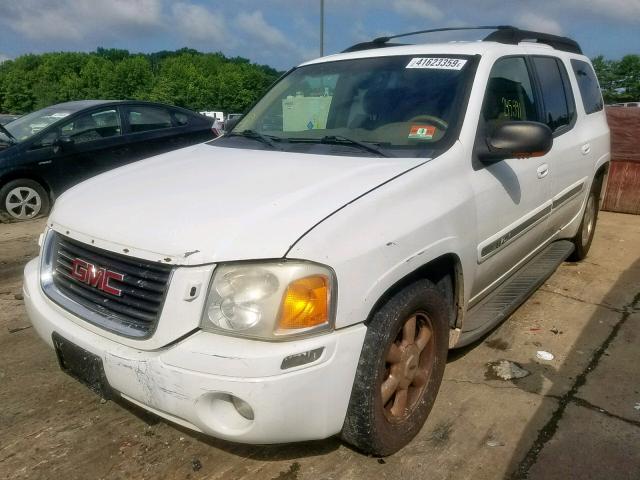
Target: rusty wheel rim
408,366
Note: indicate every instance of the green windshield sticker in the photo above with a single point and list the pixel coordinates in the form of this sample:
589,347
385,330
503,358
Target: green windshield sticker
422,132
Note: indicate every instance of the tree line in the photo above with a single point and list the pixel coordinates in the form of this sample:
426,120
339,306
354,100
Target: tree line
191,79
619,79
186,77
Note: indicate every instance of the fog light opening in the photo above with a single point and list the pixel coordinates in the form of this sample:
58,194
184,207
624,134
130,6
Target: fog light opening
242,407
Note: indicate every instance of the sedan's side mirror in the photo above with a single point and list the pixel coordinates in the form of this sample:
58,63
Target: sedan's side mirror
230,124
516,139
62,143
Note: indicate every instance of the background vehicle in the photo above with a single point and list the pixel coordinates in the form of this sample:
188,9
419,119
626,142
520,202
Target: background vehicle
626,104
45,152
218,121
214,114
231,121
351,229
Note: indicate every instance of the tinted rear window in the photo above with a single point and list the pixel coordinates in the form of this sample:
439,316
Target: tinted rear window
182,119
142,119
556,92
588,85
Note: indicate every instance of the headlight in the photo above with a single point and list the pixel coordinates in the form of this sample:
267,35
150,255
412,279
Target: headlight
270,300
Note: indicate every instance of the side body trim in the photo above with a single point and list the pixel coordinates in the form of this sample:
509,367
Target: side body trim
496,243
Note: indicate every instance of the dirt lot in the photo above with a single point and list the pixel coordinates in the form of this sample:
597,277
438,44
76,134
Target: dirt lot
576,416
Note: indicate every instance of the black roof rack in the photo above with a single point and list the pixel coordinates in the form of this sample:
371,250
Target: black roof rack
501,34
514,36
369,45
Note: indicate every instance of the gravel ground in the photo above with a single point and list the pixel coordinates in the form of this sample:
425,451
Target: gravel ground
575,416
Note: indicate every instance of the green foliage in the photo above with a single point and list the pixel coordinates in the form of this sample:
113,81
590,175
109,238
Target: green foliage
619,79
186,77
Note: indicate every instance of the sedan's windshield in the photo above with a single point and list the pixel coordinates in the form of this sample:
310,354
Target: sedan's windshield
395,103
27,126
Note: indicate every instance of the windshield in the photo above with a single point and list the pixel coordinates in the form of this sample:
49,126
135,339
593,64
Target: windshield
403,103
27,126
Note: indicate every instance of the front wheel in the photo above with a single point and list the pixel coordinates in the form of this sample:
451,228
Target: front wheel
400,370
23,199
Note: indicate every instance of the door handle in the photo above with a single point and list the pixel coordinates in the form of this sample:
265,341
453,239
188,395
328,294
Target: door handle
586,148
542,170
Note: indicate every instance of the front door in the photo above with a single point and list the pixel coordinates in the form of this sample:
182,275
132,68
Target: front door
513,195
93,144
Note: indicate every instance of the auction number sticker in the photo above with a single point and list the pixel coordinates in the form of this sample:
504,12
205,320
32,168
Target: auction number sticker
439,63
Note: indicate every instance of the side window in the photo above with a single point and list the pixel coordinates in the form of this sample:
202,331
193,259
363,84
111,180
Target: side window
93,126
556,92
509,93
182,119
588,85
142,119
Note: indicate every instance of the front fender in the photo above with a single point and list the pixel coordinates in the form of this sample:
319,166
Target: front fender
378,240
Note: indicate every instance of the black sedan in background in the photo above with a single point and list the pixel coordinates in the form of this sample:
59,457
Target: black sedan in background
45,152
7,117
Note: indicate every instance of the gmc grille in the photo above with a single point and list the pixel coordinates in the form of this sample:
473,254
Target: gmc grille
133,313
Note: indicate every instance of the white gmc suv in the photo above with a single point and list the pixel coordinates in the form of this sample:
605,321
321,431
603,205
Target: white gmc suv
305,274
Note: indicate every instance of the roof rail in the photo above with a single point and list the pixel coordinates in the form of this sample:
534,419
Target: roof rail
501,34
514,36
381,42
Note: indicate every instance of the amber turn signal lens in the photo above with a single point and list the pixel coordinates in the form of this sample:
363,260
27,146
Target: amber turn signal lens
305,303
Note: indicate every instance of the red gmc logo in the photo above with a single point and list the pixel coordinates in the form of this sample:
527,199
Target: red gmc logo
97,277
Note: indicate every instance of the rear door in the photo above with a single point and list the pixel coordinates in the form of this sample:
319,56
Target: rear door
512,195
151,130
569,165
191,128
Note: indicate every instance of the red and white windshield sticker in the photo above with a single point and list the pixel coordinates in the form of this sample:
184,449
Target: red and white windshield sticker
438,63
422,132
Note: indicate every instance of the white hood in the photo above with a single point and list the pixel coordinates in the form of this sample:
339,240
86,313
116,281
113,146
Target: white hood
206,204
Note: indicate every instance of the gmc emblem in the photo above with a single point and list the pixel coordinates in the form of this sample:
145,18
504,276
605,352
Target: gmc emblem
97,277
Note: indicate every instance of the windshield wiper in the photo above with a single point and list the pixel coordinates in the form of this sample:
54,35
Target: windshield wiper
266,139
342,140
8,134
338,139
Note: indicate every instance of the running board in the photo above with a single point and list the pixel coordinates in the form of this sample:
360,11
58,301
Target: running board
505,299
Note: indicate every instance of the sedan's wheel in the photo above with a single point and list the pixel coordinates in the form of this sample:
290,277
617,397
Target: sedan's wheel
400,370
23,200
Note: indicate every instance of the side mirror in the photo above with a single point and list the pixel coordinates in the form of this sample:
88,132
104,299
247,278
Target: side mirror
62,143
230,124
516,140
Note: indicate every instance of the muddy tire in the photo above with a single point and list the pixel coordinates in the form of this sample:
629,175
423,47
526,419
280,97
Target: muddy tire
400,370
23,199
584,237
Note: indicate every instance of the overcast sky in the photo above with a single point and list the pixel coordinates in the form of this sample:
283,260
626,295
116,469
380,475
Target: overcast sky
283,33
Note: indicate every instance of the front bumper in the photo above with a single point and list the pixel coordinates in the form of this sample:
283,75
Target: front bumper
189,382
